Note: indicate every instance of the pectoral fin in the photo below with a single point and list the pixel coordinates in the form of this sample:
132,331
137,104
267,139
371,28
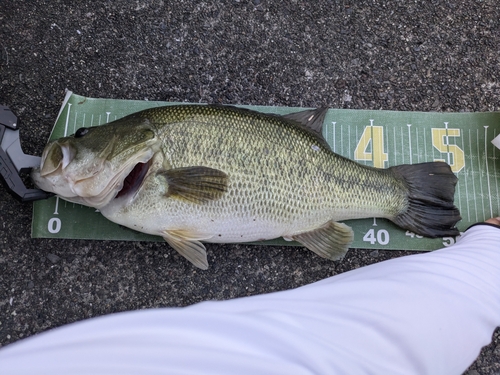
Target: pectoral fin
329,241
195,184
188,245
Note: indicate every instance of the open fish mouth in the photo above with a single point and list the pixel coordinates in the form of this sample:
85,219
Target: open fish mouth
134,179
92,184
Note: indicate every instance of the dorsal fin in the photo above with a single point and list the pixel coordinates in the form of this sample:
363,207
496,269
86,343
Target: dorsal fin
310,118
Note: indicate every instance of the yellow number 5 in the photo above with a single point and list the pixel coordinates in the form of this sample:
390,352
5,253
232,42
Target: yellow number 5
440,141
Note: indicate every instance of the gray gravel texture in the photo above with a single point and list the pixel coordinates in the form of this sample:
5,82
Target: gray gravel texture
429,55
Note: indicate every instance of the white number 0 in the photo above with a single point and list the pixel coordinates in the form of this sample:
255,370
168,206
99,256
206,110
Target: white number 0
54,225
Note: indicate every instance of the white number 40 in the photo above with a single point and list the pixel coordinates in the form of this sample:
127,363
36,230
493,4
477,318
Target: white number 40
381,236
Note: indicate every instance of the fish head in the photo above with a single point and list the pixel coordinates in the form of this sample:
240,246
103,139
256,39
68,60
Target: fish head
94,165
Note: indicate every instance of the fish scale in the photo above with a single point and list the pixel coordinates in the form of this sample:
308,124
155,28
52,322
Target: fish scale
225,174
194,142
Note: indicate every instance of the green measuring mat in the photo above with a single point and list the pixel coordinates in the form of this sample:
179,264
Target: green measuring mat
376,138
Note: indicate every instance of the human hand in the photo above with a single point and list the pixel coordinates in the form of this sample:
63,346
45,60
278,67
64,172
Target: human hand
494,221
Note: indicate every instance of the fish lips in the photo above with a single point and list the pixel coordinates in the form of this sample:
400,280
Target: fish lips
53,183
125,182
101,188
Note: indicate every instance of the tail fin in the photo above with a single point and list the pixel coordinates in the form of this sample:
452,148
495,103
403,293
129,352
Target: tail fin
430,210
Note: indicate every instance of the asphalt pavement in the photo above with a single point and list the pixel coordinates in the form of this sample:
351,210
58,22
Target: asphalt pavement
429,55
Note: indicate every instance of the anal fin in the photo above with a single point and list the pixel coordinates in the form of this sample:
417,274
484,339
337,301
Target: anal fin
330,241
188,245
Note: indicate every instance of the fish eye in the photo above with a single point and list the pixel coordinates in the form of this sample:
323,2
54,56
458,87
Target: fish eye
81,132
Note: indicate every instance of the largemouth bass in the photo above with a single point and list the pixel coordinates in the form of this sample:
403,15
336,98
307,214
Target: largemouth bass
194,173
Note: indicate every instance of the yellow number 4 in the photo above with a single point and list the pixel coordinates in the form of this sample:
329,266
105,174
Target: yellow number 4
375,135
440,142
